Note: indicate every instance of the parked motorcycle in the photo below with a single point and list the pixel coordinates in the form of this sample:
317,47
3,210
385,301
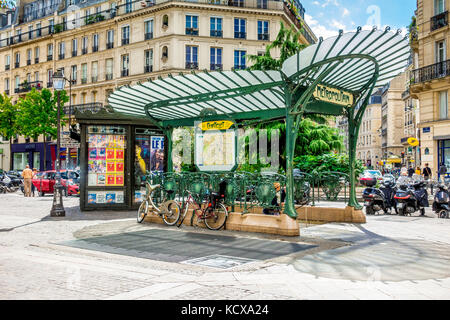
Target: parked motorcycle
441,204
377,199
411,196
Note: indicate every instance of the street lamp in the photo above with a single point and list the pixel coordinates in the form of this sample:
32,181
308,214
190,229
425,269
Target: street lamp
57,207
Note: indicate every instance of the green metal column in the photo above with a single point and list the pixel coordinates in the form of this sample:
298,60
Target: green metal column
289,208
353,128
168,132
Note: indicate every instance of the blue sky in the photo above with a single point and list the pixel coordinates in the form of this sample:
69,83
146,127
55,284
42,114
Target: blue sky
326,17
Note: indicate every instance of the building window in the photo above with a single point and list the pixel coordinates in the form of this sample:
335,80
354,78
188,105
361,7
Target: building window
84,73
7,62
239,59
29,52
239,28
49,78
192,25
125,35
50,52
165,53
109,69
148,29
125,63
94,71
38,30
62,50
7,86
17,60
263,30
36,55
74,47
191,57
128,6
165,21
110,40
84,45
439,6
74,73
262,4
443,105
148,66
216,59
95,42
441,55
216,27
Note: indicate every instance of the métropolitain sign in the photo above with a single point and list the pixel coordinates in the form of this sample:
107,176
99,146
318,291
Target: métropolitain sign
332,95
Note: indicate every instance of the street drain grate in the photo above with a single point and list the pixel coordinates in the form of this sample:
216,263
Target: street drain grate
219,261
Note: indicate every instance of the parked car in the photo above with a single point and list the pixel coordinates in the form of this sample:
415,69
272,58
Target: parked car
369,178
45,182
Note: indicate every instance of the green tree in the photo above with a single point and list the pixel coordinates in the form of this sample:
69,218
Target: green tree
38,114
8,117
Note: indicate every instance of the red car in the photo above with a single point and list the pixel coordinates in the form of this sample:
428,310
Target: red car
45,182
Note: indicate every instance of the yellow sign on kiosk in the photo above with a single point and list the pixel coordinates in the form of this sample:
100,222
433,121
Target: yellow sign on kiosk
216,125
413,142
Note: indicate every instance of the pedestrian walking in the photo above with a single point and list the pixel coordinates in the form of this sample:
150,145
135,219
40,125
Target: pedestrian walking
410,172
418,171
442,172
427,172
27,175
33,187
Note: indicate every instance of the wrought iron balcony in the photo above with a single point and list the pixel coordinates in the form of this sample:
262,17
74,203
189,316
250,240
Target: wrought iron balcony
240,35
7,91
27,86
94,107
435,71
16,64
109,45
439,21
125,41
263,36
74,53
191,65
236,3
83,80
94,48
405,94
148,68
148,35
84,50
239,67
36,60
109,76
7,67
124,73
28,62
61,56
215,67
191,32
50,84
94,79
50,57
216,33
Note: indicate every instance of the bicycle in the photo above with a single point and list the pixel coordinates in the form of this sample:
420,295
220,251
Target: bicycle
213,212
169,210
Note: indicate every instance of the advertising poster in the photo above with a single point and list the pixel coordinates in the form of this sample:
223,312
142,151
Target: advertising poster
110,154
92,198
119,197
120,142
101,197
110,167
119,167
110,197
138,196
110,180
157,153
101,141
119,154
111,142
92,154
101,154
92,179
119,179
101,179
92,139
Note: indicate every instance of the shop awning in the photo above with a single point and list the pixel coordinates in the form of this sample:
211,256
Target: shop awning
351,61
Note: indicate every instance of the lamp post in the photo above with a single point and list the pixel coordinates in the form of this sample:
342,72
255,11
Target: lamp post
57,206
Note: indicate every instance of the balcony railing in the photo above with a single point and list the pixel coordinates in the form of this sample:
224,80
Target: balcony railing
28,62
36,60
216,33
239,67
50,57
94,79
108,76
61,56
16,64
94,107
83,80
405,94
435,71
74,53
110,45
148,35
191,32
215,67
124,73
7,92
27,86
125,41
148,69
240,35
7,67
439,21
50,84
94,48
84,50
191,65
263,36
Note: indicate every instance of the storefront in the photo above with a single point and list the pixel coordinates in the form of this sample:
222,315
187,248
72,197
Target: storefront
116,153
444,154
32,154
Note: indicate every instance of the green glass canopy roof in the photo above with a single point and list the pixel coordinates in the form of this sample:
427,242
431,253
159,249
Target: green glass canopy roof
352,61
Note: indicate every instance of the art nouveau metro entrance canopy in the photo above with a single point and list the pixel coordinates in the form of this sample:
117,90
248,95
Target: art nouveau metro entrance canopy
349,60
332,77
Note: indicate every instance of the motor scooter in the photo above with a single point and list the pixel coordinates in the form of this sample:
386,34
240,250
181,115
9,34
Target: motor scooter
377,199
411,197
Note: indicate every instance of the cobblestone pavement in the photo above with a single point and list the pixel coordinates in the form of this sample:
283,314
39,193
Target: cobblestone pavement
390,257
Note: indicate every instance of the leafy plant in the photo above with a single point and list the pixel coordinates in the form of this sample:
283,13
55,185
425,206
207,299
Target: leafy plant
329,162
8,117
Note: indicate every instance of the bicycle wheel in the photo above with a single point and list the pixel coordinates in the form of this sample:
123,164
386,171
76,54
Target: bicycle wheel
142,211
216,218
171,213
